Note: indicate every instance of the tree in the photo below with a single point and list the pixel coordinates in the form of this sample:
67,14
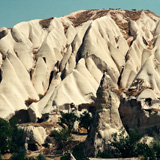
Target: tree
155,145
11,138
68,119
125,146
62,137
85,120
65,156
41,157
129,146
5,136
78,152
19,155
17,138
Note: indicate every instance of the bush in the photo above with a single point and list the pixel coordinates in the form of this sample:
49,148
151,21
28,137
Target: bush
78,152
5,136
62,137
11,138
68,119
17,139
66,156
19,155
125,146
105,154
41,157
85,120
155,145
129,146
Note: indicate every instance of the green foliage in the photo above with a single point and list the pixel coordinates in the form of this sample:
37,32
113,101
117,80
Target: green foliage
155,145
129,146
19,155
29,158
105,154
66,156
124,146
144,150
62,137
85,120
17,139
11,138
78,152
41,157
68,119
41,96
5,136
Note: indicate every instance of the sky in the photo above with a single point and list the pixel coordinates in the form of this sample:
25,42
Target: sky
15,11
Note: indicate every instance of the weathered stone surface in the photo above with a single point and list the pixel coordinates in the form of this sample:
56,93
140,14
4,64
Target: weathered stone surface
45,65
106,119
34,136
139,108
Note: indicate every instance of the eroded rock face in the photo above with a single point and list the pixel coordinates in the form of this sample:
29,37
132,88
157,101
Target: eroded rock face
34,137
139,109
59,61
106,119
46,65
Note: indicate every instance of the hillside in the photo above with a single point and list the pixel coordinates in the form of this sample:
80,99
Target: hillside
90,58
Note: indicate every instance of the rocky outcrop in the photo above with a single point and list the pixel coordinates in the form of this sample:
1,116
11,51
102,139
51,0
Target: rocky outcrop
107,120
46,65
139,109
34,137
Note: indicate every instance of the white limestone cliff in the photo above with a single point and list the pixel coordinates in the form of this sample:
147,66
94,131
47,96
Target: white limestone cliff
48,64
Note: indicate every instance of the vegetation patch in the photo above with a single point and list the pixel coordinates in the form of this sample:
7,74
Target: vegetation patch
46,22
130,146
30,101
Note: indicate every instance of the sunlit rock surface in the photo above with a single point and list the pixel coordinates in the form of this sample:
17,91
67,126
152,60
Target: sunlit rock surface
45,65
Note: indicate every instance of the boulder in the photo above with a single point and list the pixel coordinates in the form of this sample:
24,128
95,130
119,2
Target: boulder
34,137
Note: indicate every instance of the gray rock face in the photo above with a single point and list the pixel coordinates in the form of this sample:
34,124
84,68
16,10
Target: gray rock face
106,119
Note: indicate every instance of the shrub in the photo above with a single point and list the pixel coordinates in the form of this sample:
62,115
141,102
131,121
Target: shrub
155,145
129,146
17,139
68,119
78,152
124,146
11,138
66,156
85,120
62,137
29,101
19,155
41,157
105,154
5,136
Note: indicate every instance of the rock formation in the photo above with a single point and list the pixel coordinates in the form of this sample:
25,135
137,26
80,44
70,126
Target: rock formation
34,136
46,65
107,120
